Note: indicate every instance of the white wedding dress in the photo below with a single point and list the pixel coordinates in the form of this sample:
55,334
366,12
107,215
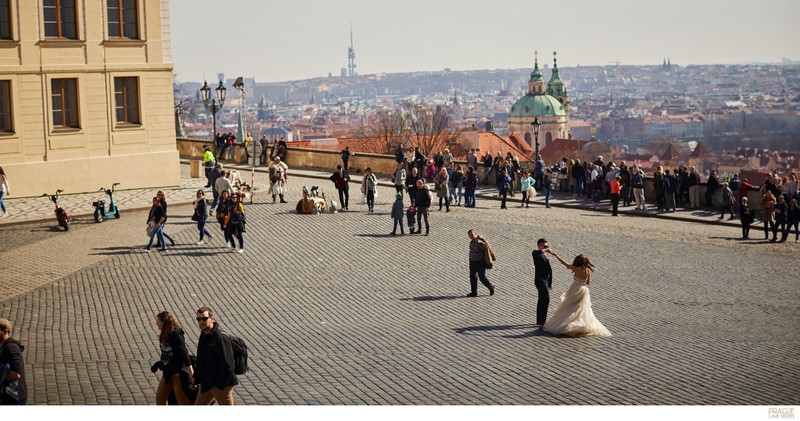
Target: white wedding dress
574,316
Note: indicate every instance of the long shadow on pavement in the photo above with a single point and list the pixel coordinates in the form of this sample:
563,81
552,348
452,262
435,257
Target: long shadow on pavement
433,298
470,329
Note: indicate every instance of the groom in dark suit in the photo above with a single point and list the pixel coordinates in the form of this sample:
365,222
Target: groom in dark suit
543,279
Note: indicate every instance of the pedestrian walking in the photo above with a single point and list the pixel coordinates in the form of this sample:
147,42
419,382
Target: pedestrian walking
481,257
727,201
792,220
4,190
234,224
175,365
456,185
208,163
526,186
547,183
214,375
201,216
162,198
346,154
155,225
369,187
504,186
341,180
398,211
780,210
277,177
694,188
615,190
470,184
13,381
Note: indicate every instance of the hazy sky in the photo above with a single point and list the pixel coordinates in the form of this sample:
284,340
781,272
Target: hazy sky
276,40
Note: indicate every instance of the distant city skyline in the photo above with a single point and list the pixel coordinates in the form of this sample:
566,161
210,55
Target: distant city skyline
283,40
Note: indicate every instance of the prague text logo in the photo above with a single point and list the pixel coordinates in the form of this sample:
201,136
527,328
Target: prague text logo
781,413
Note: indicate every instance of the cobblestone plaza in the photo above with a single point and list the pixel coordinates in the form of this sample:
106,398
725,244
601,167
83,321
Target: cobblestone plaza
335,311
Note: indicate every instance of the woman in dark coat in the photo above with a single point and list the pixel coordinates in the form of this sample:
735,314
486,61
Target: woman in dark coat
174,363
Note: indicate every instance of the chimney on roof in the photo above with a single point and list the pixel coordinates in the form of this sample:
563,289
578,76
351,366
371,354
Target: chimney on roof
489,126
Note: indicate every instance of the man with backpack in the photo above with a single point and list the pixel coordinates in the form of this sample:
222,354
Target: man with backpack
214,375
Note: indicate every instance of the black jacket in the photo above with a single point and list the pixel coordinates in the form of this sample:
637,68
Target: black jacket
214,361
174,354
340,182
543,273
423,199
11,354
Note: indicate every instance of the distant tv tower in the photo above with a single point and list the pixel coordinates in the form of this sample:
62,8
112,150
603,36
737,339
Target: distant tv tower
351,56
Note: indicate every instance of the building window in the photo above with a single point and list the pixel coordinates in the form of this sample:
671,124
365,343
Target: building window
65,103
60,19
5,19
5,107
123,19
126,96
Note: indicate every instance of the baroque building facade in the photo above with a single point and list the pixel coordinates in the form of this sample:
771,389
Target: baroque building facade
86,96
547,102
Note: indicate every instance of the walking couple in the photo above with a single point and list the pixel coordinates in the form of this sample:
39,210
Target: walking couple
574,316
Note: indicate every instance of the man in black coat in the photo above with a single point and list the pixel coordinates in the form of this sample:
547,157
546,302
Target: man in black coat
214,376
346,157
399,155
423,204
543,279
411,185
711,185
340,180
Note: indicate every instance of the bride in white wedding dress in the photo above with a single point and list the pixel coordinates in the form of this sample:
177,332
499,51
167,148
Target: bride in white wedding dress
574,316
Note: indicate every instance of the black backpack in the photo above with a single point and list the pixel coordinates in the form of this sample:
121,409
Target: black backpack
239,354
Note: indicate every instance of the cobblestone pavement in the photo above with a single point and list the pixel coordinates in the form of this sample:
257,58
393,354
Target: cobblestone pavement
335,311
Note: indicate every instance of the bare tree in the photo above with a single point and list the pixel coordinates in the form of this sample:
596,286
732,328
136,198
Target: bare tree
181,102
384,131
430,128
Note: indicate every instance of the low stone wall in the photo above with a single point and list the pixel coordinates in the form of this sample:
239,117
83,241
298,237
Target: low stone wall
381,164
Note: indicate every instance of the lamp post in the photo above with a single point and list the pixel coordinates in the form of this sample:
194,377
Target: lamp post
536,126
214,106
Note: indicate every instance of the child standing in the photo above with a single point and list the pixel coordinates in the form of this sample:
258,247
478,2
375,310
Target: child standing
746,216
411,218
397,214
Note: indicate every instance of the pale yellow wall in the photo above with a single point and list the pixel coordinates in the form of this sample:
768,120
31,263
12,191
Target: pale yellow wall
37,158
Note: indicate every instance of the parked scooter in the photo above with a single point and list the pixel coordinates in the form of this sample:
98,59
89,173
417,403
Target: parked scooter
100,211
61,214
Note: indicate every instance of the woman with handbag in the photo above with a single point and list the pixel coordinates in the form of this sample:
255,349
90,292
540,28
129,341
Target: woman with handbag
174,363
13,388
201,215
234,223
155,225
369,186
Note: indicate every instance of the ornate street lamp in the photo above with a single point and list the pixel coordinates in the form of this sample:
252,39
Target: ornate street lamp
535,126
214,106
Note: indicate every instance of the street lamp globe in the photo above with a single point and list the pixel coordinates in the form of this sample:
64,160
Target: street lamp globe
220,93
536,126
205,91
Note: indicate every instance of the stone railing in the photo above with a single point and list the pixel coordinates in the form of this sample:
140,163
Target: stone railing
381,164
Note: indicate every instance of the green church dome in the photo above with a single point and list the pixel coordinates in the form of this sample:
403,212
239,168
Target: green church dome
537,106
